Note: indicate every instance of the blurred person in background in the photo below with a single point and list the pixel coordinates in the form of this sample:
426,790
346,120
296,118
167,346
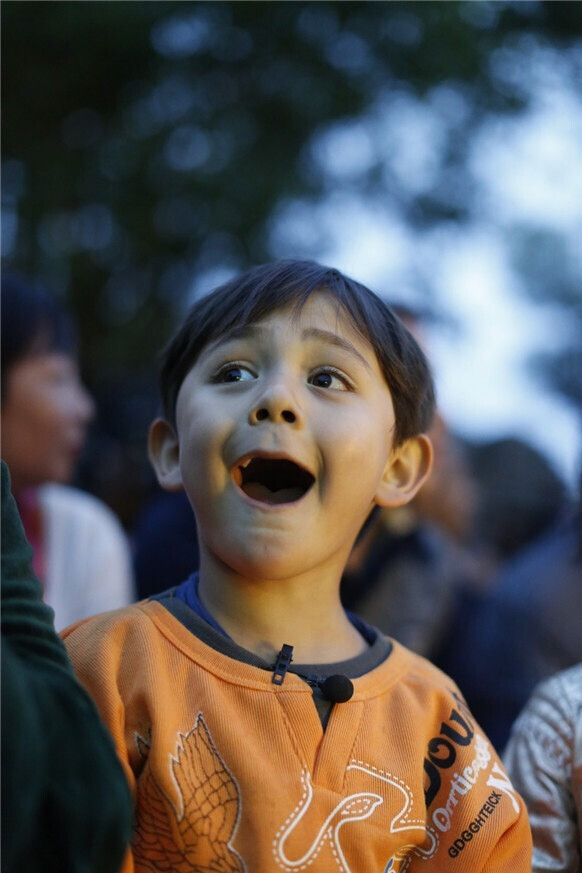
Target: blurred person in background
525,625
81,554
520,496
544,761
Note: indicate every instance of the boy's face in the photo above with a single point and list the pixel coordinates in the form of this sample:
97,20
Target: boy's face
284,442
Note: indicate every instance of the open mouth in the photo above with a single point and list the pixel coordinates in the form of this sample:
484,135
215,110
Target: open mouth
273,480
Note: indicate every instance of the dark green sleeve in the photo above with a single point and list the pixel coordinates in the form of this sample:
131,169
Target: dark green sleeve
65,800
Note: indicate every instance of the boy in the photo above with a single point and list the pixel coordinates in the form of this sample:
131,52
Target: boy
261,727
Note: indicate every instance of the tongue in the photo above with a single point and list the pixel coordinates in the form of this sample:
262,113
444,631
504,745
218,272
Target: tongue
265,495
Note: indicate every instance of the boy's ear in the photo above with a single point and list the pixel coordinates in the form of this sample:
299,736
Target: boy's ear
407,469
164,454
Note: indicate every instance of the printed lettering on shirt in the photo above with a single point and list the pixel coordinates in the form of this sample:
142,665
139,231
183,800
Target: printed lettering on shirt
499,779
475,825
462,784
443,753
444,748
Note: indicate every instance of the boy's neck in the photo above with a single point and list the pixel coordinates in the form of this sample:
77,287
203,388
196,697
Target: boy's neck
262,615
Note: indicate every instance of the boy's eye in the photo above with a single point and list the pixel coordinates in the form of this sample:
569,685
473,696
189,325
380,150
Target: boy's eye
234,373
329,378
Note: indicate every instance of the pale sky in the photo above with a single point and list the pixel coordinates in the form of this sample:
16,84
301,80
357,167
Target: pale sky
529,170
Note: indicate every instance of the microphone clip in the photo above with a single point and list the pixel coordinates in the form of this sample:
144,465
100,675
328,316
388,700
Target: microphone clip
284,658
335,689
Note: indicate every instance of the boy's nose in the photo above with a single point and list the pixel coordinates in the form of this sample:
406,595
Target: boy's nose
276,404
265,412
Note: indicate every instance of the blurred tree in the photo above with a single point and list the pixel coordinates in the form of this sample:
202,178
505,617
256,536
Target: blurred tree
551,274
146,145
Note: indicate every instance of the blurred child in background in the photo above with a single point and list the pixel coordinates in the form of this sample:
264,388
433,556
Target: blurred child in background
81,554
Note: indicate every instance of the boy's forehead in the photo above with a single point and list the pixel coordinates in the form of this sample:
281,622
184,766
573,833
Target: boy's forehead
320,317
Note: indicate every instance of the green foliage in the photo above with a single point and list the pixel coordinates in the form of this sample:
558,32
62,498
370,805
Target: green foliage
156,139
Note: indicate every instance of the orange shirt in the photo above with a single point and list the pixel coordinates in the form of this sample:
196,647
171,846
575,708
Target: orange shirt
231,772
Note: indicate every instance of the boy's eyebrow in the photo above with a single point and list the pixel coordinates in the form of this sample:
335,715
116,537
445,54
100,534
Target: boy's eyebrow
241,331
335,340
327,336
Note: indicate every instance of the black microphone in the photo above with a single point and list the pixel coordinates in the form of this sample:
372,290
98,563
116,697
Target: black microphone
337,688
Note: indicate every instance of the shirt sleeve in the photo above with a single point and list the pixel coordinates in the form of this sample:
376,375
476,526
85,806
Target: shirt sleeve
539,760
66,803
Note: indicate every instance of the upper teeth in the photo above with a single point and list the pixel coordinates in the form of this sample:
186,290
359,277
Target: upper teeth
245,464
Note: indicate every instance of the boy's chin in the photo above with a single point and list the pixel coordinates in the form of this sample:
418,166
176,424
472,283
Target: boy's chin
263,568
261,563
278,547
280,562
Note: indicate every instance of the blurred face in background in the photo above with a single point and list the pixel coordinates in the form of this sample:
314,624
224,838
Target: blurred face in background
45,414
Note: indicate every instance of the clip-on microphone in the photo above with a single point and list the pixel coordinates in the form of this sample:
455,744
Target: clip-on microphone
336,689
